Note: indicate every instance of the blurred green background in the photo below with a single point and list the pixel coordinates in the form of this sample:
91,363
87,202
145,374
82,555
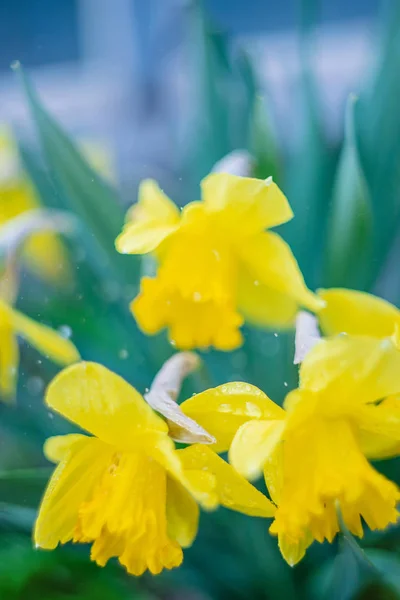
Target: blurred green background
311,89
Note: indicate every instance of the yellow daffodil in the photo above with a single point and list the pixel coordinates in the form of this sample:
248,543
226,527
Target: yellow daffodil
12,324
217,264
43,252
314,452
127,490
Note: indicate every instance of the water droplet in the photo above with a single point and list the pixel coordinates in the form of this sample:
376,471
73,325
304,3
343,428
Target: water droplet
123,353
173,343
275,335
65,331
50,415
252,410
285,383
256,282
217,254
111,291
39,362
35,385
197,296
146,391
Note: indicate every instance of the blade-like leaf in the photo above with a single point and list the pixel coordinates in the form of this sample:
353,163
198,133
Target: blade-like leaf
90,197
23,487
350,226
263,144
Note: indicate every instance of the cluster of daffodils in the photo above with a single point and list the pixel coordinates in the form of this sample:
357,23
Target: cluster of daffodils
131,493
125,486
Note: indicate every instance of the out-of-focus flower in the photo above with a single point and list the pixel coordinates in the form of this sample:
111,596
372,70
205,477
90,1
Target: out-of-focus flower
43,253
217,264
12,324
127,490
314,454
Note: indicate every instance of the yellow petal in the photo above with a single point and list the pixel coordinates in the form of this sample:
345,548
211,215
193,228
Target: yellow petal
264,306
149,221
273,473
246,205
362,368
46,340
70,485
182,514
293,550
222,410
253,444
9,355
380,428
356,313
270,261
232,489
56,448
104,404
198,261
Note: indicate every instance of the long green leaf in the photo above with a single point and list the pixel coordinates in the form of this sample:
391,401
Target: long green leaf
350,226
87,193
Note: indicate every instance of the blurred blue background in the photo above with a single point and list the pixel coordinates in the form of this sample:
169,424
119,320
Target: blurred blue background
120,70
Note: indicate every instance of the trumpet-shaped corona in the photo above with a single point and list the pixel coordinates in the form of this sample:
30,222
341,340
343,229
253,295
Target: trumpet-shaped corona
127,490
217,264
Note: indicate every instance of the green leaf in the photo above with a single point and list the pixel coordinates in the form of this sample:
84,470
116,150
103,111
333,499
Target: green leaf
350,226
310,166
263,144
23,487
87,194
378,121
388,566
222,93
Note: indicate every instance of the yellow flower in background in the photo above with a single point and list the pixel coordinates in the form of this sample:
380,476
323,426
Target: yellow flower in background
217,264
43,252
50,343
314,454
127,490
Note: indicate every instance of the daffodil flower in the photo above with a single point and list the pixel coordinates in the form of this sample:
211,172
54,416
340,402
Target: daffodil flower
314,453
44,253
217,264
14,324
126,489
